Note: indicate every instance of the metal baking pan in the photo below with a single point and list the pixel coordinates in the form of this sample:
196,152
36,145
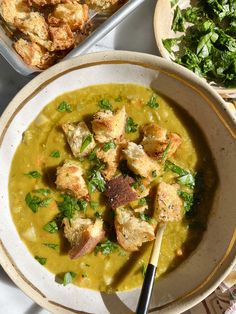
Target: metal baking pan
104,26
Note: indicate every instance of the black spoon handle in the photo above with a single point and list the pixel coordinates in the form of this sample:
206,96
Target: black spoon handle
146,291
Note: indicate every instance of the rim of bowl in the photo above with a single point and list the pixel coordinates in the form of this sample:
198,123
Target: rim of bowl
136,58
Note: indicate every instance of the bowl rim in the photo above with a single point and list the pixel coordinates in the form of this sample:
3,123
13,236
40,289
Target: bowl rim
164,53
145,60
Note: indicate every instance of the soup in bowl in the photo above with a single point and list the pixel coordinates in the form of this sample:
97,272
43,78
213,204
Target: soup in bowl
100,154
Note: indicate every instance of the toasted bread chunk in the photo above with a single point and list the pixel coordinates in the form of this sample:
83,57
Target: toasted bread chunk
131,231
139,162
70,179
71,13
11,9
157,143
111,159
119,191
102,4
45,2
168,205
61,36
109,126
76,134
83,235
33,54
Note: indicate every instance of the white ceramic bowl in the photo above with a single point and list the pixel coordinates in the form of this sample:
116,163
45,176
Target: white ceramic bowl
213,259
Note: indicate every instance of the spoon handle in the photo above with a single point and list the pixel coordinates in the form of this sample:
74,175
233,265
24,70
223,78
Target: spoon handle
146,292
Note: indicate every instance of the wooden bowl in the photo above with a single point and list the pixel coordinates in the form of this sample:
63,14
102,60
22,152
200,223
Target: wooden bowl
162,28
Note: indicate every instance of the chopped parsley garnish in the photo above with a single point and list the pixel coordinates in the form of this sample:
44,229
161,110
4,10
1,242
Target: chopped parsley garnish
142,201
145,217
41,260
94,205
107,146
44,192
86,141
208,46
34,174
64,107
143,269
105,104
95,181
166,151
34,202
98,215
118,99
82,205
131,126
188,200
51,227
68,206
185,177
68,277
106,248
152,102
55,154
52,246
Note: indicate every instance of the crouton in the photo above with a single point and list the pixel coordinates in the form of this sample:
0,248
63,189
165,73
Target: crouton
77,134
119,191
168,205
33,54
102,4
131,231
44,2
157,143
71,13
61,36
70,180
34,25
109,126
139,162
11,9
83,234
111,160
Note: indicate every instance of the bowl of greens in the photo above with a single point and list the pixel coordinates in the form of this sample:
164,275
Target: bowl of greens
201,36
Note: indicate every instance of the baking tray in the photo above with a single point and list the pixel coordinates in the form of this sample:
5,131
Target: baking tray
104,26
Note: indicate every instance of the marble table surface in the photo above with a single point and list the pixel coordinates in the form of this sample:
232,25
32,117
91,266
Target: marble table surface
134,34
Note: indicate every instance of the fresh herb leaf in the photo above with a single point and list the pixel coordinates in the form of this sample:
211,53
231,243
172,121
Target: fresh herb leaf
169,43
52,246
178,21
107,146
34,202
143,269
152,102
187,180
86,141
106,248
82,205
145,217
64,107
98,215
51,227
93,205
34,174
68,277
166,151
41,260
131,126
55,154
44,192
188,200
118,99
96,181
68,206
105,104
93,156
173,2
176,169
142,201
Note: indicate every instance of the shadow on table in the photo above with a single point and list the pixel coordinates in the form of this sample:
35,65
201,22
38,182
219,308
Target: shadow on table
5,279
136,32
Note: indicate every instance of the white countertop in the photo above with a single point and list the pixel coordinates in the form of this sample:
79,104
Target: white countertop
134,34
